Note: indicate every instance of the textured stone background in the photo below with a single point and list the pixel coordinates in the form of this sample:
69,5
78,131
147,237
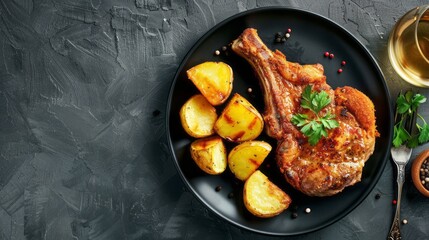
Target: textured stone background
83,93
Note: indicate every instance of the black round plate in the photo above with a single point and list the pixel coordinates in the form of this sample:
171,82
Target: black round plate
311,36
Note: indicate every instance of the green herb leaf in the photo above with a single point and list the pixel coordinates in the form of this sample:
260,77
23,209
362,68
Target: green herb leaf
314,128
409,102
416,101
299,119
402,105
330,123
306,129
406,105
424,134
320,101
413,141
315,135
400,135
306,98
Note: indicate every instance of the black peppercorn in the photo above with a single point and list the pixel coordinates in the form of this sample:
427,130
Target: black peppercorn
156,113
231,195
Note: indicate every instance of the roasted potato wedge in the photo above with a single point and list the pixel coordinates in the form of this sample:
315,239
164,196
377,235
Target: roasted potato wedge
262,197
239,121
213,79
209,154
198,116
245,158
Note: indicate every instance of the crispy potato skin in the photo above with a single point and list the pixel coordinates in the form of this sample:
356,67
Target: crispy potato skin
239,121
245,158
198,117
263,198
213,79
209,154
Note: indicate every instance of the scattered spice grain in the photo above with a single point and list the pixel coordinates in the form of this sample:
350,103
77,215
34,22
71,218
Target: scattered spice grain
280,37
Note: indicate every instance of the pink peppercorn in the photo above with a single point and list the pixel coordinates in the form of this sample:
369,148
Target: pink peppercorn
343,63
326,54
394,202
331,55
340,70
289,30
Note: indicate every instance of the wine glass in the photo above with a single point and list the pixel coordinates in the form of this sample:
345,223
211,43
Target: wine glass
408,46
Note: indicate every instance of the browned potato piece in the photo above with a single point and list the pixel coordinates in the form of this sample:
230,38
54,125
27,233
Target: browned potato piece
198,116
246,157
239,121
209,154
213,79
262,197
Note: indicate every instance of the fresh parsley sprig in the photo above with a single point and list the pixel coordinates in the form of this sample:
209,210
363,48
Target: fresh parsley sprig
316,127
406,105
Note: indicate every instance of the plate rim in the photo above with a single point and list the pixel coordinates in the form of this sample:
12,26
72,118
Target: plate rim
207,34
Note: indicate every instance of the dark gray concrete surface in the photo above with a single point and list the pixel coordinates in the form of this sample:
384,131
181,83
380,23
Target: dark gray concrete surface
83,93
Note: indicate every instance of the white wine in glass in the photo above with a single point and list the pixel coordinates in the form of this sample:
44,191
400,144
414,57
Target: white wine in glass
408,46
